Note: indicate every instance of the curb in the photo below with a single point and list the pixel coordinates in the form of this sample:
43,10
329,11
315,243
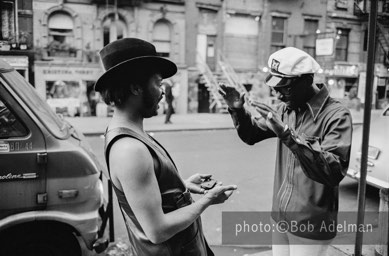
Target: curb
90,134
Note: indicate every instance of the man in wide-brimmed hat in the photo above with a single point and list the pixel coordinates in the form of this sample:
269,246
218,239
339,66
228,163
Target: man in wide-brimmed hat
314,140
160,215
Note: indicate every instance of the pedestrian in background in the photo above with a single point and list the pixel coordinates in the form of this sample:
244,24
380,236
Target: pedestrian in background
160,215
169,98
314,139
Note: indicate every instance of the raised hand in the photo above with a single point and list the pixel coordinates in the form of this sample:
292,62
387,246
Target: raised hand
231,95
273,120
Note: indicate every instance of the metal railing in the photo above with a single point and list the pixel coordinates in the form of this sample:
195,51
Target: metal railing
230,73
383,42
211,83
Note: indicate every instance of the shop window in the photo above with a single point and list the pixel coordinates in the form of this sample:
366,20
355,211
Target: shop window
341,44
162,37
68,98
7,20
278,26
382,87
114,28
61,35
10,125
310,28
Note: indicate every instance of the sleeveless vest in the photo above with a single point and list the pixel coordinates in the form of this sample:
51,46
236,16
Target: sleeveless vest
174,194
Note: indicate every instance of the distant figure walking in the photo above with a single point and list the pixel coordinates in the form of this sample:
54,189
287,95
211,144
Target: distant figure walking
169,98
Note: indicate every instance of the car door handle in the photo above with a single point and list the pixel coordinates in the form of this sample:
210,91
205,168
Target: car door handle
68,193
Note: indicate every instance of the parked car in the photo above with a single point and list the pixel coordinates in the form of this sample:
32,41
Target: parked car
378,156
50,191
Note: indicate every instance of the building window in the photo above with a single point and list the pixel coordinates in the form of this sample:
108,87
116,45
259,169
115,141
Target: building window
114,28
162,37
310,28
7,20
61,34
241,41
244,25
341,44
278,33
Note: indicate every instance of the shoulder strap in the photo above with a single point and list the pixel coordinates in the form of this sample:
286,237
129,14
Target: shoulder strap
111,136
164,151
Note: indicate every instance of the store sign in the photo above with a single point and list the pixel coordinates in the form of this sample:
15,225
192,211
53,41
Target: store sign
324,46
341,4
68,72
16,61
346,70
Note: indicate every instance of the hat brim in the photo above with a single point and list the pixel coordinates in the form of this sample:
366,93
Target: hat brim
278,81
164,67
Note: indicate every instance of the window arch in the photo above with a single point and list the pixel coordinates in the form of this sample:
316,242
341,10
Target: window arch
61,28
162,37
113,29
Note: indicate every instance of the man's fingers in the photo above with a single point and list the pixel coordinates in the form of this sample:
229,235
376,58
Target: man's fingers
262,106
262,111
221,92
195,189
223,87
228,193
269,124
228,188
254,102
205,176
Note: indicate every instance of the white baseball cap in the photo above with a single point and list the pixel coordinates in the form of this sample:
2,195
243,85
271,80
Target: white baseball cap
287,64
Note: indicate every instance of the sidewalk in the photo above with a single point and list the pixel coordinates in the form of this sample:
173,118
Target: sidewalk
95,126
190,122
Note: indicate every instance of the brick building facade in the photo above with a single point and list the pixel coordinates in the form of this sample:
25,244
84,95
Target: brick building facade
224,40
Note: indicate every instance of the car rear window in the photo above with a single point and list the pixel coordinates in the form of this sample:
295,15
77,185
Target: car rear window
40,108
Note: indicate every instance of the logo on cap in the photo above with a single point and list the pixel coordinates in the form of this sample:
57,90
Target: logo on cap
274,65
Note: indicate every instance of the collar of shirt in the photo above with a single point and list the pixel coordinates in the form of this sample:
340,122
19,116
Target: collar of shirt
317,102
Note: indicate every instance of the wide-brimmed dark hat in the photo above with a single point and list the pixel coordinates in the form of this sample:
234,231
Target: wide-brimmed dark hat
131,55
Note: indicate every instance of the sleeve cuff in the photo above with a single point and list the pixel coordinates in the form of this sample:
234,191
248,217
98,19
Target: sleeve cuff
290,140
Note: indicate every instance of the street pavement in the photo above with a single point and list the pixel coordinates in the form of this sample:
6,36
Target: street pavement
94,126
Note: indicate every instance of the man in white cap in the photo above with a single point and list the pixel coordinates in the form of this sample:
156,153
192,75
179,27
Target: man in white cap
314,140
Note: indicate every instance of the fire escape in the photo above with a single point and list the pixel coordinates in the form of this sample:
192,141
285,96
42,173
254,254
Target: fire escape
361,10
224,74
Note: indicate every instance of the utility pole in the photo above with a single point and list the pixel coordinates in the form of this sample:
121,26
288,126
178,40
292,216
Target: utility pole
366,123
